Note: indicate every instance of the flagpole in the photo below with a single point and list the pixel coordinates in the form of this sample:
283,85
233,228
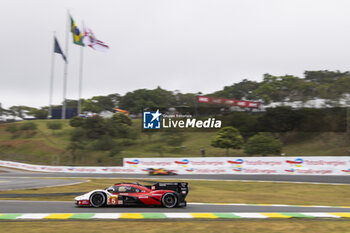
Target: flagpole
81,74
65,71
52,76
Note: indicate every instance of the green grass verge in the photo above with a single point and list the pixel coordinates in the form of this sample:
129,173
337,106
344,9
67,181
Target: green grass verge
49,147
225,192
239,226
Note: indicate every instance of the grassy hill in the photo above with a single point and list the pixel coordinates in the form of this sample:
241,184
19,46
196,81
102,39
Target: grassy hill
49,147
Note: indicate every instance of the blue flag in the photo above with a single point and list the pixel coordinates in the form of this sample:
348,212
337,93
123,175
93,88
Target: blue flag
59,50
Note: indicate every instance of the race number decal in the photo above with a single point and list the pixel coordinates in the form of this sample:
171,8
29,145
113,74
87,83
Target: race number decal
113,200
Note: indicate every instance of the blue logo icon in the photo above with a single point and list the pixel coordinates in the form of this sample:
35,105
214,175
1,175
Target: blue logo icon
151,120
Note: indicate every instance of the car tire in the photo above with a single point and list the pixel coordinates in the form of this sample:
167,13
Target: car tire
98,199
169,200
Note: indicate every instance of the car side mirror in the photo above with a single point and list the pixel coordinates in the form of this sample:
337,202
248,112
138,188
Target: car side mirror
110,190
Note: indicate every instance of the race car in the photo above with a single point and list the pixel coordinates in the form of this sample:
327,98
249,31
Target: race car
168,195
160,171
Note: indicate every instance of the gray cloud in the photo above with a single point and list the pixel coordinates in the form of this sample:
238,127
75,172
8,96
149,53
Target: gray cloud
189,45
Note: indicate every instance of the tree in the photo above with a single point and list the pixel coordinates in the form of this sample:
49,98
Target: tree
228,137
76,121
20,110
279,119
77,142
100,103
119,126
263,144
241,90
40,113
140,99
95,127
246,123
121,118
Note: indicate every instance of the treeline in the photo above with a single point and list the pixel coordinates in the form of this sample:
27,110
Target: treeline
286,119
330,85
323,84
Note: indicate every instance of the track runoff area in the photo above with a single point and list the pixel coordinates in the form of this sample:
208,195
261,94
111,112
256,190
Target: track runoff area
65,210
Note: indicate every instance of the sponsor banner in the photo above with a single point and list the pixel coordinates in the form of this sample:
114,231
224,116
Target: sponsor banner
217,100
247,165
211,165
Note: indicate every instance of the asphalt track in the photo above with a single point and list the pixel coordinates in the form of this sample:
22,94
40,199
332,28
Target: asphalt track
10,173
16,179
14,206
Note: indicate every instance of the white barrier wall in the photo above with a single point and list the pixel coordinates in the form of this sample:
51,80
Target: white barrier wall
247,165
67,169
211,165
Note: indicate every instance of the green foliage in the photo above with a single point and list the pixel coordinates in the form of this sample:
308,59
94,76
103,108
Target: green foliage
95,127
324,76
140,99
119,126
228,137
40,113
73,146
286,119
102,134
77,141
104,143
158,148
263,144
117,149
28,126
19,110
77,121
173,138
241,90
54,125
100,103
121,118
77,135
279,119
11,128
247,124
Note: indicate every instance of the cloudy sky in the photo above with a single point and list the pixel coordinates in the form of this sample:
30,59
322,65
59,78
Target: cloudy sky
186,45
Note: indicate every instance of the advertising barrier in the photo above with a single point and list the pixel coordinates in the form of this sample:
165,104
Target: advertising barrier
247,165
211,165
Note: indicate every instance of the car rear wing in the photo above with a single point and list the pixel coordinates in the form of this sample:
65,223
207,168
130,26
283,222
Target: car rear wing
179,187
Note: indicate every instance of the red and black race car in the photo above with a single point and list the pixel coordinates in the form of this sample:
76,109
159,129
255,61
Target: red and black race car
160,171
169,195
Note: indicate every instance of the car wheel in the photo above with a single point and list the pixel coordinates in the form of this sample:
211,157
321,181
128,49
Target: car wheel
97,199
169,200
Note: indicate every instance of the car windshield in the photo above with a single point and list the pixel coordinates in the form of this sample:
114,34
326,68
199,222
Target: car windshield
123,189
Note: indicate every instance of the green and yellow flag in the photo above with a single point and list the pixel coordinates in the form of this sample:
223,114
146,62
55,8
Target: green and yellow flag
77,34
